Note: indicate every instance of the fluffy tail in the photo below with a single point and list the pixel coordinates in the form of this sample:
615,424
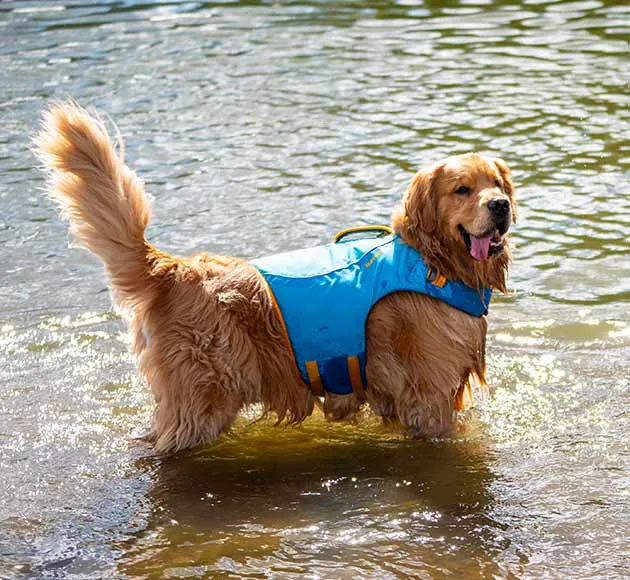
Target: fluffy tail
101,197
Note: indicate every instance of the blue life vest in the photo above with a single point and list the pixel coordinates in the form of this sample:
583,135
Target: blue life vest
324,296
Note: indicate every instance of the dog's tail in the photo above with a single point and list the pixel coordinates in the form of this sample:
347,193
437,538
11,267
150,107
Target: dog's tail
101,197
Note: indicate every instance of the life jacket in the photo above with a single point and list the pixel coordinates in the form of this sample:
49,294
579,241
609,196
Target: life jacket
323,296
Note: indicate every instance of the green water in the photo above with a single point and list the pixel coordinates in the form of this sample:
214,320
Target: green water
267,126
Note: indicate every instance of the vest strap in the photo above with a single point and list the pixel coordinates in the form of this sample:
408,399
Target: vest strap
314,377
354,370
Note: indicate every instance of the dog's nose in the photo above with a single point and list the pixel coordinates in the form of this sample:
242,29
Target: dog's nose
499,207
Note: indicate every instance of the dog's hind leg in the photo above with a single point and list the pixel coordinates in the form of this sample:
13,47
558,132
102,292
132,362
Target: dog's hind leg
194,418
202,370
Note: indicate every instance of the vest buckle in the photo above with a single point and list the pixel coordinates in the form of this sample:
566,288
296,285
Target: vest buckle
434,276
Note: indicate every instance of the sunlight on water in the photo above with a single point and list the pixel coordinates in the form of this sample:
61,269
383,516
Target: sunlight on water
539,417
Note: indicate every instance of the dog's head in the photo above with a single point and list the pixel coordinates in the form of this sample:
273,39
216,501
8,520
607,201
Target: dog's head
458,212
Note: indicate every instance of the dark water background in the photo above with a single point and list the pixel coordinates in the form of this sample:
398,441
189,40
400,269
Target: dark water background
265,126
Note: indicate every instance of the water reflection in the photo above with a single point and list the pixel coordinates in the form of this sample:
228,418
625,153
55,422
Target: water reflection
315,498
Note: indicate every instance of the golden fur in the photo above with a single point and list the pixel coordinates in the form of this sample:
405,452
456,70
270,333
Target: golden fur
205,332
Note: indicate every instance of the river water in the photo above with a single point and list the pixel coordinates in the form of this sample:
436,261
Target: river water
268,126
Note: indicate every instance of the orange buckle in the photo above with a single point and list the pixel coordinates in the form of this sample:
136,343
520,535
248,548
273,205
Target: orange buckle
437,279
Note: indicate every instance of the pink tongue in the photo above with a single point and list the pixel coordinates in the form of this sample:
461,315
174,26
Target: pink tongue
479,247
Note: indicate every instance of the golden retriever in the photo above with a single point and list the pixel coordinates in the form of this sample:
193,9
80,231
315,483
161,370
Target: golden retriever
205,332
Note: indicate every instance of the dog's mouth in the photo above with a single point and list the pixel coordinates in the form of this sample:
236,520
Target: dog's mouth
485,246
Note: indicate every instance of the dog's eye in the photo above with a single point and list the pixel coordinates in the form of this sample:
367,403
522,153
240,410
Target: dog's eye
462,190
498,183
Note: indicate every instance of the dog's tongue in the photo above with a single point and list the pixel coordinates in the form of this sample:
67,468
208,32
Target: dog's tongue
479,247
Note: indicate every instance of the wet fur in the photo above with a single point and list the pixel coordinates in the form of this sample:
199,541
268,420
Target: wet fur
205,332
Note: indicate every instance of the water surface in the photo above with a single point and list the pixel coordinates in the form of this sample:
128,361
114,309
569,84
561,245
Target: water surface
266,126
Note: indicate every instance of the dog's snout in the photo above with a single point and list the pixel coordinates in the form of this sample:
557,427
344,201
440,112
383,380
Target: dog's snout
499,207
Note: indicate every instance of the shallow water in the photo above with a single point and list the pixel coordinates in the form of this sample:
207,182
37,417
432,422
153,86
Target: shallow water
263,126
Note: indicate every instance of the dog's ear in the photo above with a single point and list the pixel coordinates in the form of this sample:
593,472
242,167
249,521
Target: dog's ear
420,200
508,186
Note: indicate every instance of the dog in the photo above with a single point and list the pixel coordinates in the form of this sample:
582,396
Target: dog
207,332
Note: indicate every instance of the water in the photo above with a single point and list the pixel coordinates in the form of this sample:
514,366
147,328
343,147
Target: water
261,127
